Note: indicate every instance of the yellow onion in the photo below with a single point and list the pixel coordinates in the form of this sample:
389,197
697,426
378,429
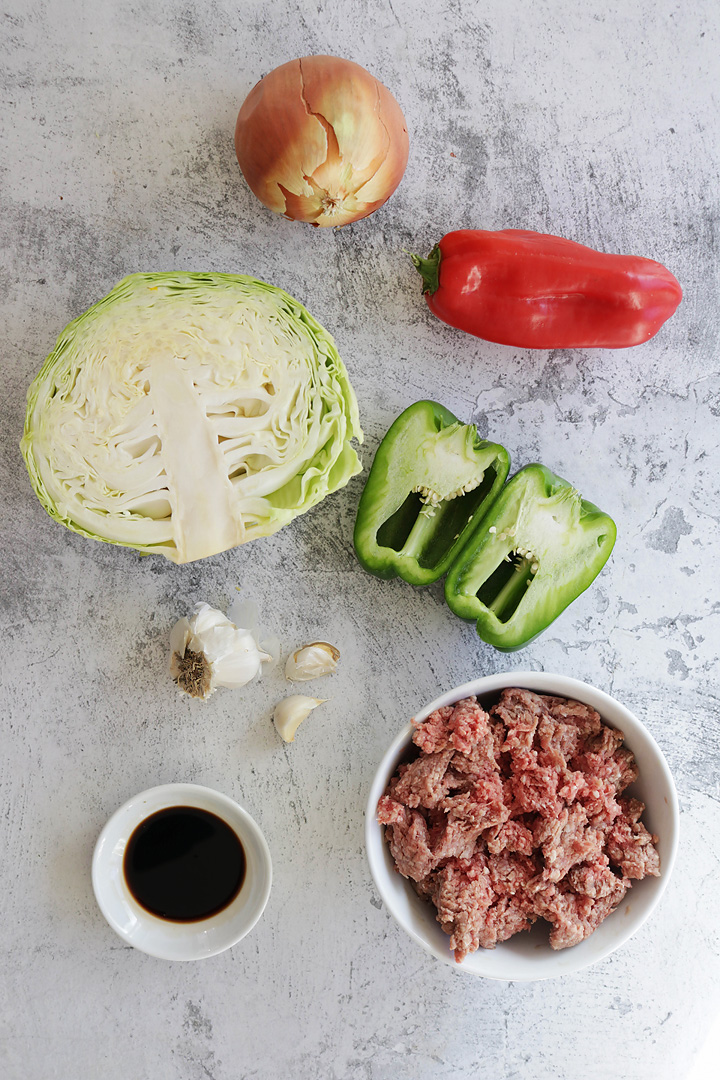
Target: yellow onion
319,139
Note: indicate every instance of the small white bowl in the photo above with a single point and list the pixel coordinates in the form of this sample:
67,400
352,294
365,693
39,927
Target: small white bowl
527,956
160,937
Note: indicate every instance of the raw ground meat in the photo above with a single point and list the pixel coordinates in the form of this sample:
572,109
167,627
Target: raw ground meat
421,783
407,833
508,817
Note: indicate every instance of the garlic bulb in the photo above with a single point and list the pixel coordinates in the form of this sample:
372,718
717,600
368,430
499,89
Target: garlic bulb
290,713
312,661
207,651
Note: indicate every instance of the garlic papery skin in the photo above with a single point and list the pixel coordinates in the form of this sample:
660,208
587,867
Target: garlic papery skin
320,139
312,661
208,651
245,613
290,713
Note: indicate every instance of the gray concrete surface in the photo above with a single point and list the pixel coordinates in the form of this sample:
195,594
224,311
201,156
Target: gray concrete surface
596,121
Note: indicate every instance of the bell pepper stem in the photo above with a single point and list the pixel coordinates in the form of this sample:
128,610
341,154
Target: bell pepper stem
429,269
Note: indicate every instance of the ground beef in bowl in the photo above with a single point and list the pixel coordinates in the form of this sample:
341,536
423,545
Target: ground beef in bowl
516,815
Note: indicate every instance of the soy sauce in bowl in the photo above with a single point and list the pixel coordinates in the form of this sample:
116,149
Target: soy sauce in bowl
184,864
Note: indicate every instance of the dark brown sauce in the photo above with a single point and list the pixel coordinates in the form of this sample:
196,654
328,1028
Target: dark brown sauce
184,864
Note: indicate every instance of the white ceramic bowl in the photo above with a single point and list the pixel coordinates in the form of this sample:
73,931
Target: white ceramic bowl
527,956
159,937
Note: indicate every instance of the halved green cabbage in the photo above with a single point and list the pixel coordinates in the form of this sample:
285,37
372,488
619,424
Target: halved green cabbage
186,413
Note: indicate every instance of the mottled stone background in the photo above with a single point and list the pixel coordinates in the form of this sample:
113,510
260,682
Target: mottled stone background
598,121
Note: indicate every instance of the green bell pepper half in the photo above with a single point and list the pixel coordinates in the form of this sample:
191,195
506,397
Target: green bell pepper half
431,481
539,546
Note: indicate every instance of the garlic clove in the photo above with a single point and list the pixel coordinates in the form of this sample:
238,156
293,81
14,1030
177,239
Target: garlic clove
179,636
238,669
205,618
215,641
290,713
312,661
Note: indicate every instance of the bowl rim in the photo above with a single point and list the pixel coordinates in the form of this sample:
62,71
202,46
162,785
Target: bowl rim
544,683
164,939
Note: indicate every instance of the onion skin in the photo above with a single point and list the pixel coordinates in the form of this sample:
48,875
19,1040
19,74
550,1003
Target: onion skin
319,139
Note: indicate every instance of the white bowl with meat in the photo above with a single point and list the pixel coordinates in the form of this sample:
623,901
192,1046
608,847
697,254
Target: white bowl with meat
522,826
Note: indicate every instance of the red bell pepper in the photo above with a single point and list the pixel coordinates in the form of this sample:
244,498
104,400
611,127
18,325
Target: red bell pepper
536,291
